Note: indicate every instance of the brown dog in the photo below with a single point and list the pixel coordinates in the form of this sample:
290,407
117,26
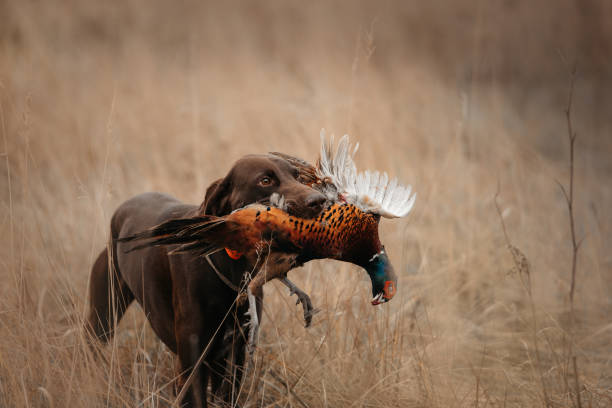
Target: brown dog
189,305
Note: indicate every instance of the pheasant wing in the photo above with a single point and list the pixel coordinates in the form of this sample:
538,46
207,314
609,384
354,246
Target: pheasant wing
370,191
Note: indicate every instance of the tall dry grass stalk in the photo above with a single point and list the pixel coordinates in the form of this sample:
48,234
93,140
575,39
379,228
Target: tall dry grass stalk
100,101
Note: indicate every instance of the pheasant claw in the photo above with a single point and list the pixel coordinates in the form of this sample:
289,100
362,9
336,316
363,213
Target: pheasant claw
304,299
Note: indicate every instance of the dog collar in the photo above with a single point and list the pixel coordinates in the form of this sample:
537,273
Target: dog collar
220,275
235,255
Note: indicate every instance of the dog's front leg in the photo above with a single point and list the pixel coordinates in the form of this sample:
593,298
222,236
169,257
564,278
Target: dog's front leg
193,346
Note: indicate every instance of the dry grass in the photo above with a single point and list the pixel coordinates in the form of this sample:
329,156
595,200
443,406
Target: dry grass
100,101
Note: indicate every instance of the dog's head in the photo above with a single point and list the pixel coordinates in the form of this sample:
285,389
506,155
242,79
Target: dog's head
254,178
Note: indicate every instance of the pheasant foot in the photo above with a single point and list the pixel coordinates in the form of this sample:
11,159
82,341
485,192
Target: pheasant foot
304,299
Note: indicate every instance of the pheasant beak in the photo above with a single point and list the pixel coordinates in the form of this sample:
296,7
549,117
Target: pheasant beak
386,295
378,299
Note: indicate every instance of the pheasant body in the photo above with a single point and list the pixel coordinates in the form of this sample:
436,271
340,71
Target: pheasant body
341,232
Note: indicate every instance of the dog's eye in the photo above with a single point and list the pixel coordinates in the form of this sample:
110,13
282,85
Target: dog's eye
265,181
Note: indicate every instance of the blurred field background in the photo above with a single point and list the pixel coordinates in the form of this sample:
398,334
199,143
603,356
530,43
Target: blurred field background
100,101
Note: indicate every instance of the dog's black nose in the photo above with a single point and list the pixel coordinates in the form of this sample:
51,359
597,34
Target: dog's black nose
315,202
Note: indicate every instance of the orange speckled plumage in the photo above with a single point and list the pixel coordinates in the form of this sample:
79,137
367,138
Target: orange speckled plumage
341,232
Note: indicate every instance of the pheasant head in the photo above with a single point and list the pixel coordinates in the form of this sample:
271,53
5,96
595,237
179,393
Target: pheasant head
383,277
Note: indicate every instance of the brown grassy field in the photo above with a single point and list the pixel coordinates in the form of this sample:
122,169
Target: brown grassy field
100,101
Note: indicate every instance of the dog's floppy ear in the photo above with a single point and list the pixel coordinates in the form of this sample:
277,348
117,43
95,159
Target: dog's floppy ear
217,200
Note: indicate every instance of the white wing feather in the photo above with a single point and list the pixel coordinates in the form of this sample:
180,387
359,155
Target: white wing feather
370,191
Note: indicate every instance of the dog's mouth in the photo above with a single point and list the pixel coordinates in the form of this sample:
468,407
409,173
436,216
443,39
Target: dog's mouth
290,206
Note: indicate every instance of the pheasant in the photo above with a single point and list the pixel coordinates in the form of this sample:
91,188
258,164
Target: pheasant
347,230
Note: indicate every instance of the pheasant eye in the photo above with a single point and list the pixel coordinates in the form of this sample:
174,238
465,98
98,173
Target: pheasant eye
265,181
